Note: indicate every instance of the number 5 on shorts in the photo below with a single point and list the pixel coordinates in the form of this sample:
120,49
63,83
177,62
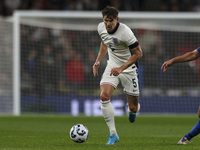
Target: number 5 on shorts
134,82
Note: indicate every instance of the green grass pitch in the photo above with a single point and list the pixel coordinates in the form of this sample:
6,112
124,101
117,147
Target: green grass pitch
52,133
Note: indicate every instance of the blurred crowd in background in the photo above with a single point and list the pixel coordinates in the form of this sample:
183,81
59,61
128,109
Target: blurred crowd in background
60,61
54,60
8,6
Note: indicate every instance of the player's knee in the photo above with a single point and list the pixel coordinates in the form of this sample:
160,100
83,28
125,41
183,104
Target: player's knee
104,96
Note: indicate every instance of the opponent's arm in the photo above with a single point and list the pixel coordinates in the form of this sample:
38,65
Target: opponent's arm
102,53
199,112
189,56
137,54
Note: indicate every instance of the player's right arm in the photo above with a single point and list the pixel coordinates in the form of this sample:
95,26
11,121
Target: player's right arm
189,56
102,53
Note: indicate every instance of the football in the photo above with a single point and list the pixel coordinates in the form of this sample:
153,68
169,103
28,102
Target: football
79,133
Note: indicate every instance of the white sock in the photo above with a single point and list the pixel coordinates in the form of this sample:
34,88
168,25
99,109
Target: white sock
108,114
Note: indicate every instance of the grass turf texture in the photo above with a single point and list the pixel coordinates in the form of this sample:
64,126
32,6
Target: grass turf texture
52,132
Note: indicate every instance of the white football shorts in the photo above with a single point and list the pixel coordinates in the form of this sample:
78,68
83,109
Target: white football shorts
129,81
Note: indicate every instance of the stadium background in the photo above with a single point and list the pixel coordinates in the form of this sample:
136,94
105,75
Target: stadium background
51,84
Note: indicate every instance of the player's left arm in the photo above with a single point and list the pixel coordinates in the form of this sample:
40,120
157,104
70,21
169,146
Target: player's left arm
136,55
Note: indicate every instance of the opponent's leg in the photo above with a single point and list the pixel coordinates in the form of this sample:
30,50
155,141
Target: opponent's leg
108,112
133,107
194,132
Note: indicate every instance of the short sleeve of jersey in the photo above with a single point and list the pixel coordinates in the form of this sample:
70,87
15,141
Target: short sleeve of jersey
128,37
198,49
100,28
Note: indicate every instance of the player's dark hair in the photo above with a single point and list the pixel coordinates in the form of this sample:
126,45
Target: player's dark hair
110,12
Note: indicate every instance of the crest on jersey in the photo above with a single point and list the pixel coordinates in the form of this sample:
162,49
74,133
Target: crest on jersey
115,41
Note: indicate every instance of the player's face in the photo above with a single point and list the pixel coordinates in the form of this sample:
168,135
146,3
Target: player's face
110,23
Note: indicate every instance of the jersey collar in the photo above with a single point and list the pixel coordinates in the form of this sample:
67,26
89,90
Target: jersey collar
115,29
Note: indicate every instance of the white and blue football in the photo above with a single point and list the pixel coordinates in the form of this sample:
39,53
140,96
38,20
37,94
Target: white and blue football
79,133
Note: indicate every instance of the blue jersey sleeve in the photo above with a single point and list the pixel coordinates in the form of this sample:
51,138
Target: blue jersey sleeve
198,49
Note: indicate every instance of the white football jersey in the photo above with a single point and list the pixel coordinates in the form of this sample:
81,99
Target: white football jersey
117,44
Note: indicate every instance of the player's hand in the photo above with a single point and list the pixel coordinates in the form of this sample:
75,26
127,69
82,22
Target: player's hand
199,112
95,68
115,71
165,65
